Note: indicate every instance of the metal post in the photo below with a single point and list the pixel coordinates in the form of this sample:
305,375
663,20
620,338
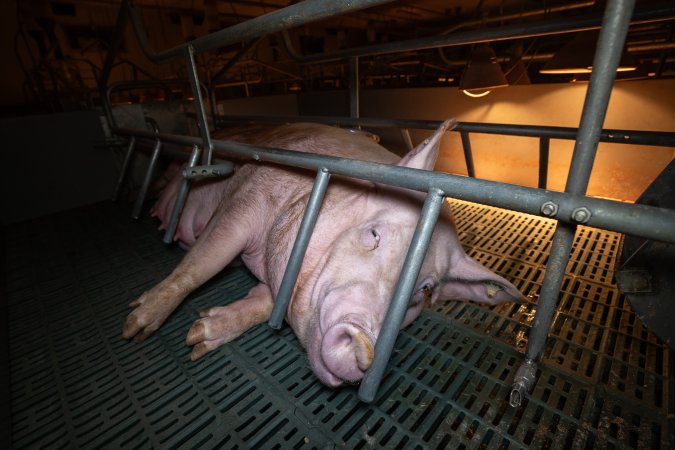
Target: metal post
125,168
180,198
405,134
468,156
199,105
354,87
138,206
299,248
543,161
608,53
403,292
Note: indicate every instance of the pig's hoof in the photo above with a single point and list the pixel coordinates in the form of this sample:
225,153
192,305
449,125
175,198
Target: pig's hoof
211,331
150,312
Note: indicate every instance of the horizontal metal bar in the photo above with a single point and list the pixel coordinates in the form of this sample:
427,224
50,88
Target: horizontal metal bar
665,11
291,16
655,138
639,220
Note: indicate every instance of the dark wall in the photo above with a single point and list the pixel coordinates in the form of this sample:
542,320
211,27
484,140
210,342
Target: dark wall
51,164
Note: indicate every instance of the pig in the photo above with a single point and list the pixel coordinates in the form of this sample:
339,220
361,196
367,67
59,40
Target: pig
352,263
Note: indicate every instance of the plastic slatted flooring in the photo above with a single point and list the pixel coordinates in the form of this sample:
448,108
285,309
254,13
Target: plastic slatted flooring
606,381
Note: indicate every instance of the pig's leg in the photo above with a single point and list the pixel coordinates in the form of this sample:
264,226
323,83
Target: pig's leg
222,324
222,240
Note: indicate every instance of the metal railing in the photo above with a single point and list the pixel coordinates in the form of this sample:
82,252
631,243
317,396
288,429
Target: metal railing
569,208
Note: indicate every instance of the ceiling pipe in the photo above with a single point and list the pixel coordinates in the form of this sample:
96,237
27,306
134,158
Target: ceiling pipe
658,13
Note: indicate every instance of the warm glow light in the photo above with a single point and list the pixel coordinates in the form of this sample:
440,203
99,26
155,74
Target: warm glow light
476,94
575,70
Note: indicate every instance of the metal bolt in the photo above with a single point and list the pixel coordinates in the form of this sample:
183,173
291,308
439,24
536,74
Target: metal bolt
581,215
549,209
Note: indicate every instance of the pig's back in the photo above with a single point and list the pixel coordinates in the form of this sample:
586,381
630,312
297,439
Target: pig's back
270,186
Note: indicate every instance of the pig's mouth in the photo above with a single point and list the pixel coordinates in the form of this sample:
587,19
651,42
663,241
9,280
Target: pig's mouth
342,352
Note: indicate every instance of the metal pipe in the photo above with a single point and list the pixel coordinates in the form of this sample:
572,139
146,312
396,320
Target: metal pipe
640,220
658,13
607,56
299,248
124,169
180,199
402,294
140,199
354,87
544,146
199,105
405,134
468,156
655,138
291,16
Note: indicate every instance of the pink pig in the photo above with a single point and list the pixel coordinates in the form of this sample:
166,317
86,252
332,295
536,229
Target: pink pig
352,262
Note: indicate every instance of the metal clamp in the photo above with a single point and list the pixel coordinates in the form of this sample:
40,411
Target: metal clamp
213,170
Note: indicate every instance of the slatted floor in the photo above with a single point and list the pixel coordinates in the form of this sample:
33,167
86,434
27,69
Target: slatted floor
607,382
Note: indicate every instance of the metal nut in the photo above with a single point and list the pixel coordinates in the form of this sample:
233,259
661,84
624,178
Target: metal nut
581,215
549,209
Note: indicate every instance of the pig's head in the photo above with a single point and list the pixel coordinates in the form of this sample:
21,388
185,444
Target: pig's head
339,307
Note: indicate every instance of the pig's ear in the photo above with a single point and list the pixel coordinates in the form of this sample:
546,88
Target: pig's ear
424,155
469,280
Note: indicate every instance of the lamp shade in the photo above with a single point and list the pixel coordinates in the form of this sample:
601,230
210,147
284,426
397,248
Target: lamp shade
577,56
483,71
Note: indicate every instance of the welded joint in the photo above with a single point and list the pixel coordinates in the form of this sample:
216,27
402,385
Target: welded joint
581,215
523,382
549,209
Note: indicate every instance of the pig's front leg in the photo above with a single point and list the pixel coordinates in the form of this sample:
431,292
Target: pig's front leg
222,324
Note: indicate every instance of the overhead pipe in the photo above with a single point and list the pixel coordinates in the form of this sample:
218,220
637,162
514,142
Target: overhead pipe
662,12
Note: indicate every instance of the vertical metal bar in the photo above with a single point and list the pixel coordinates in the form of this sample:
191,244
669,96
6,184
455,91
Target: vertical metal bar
299,248
125,168
140,199
180,198
405,134
207,145
118,36
468,156
354,87
544,144
608,53
402,293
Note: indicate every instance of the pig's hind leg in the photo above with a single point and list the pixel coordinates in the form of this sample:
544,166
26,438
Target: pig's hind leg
222,324
222,240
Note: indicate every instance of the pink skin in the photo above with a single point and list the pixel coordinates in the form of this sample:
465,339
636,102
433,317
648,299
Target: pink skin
351,265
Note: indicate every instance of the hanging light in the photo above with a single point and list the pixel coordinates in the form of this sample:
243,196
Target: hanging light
577,56
482,73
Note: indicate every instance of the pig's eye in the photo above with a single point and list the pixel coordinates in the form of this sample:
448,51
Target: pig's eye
376,238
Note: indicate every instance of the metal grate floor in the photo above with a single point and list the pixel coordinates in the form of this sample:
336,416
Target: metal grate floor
606,382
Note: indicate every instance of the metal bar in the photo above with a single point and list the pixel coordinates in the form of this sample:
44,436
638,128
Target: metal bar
291,16
661,12
299,248
118,36
179,203
140,199
402,294
199,105
210,171
354,87
640,220
544,145
405,134
125,168
653,138
608,53
468,156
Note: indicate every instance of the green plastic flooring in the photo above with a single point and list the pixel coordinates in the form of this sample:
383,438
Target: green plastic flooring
606,381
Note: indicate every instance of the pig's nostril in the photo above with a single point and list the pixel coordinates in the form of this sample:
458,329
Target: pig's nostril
347,351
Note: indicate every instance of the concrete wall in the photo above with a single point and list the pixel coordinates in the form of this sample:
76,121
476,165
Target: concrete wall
620,171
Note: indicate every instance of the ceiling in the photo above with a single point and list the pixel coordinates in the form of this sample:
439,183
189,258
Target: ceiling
61,45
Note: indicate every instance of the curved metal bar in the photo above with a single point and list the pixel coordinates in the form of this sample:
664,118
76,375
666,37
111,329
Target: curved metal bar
140,199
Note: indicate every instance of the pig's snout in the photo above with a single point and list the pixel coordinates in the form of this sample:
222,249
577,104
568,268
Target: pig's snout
347,351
